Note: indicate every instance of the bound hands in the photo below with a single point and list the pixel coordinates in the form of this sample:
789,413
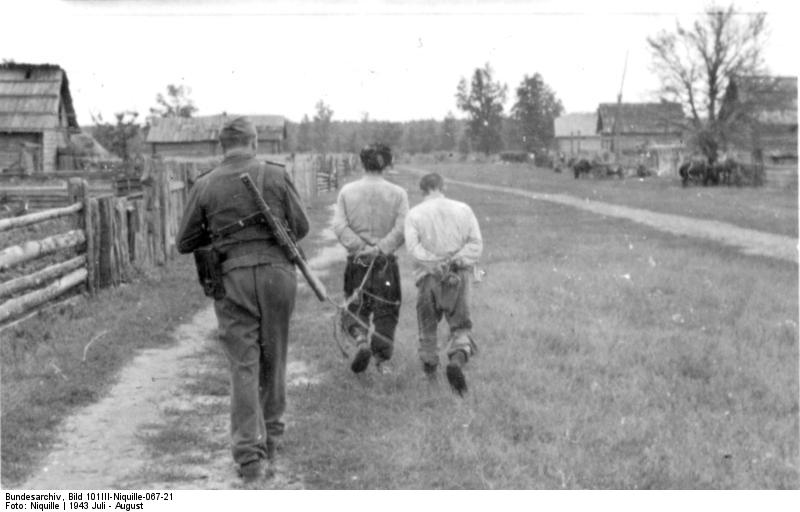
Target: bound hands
368,251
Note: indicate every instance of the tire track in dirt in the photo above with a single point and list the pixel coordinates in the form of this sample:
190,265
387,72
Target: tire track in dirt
748,241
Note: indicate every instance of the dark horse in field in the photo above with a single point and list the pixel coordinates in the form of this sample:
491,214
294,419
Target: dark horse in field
596,169
699,171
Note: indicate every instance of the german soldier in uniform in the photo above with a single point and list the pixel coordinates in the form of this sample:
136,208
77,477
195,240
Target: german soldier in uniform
368,221
256,296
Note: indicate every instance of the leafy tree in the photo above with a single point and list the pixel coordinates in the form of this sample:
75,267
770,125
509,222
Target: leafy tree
118,137
696,64
534,111
449,133
176,103
321,127
304,135
483,102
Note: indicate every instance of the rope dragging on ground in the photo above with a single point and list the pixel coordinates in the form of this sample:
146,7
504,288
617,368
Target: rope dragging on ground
339,331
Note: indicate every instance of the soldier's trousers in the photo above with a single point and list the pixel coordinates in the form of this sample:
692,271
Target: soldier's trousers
254,329
380,299
435,300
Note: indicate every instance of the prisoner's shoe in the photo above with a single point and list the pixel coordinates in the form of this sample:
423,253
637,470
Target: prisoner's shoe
454,374
361,360
251,471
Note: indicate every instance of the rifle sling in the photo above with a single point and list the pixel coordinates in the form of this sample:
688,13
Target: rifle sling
250,220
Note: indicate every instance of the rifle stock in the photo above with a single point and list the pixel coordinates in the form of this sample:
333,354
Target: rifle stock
284,240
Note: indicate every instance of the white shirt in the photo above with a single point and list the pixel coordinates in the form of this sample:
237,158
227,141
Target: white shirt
441,229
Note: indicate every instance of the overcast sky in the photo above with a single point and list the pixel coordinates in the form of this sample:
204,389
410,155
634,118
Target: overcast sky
396,60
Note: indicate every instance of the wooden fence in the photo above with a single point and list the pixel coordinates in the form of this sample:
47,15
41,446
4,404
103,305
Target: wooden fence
313,174
116,235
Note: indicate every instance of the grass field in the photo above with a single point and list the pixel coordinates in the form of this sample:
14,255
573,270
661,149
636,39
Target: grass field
44,374
766,208
613,356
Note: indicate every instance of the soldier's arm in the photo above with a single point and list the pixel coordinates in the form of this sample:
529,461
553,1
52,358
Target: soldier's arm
296,217
347,237
394,239
192,232
472,249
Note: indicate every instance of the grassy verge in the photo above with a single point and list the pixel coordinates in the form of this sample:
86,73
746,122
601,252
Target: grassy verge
613,356
44,374
767,209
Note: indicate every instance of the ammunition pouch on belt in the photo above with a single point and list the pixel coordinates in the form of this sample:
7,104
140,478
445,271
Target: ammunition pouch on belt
209,271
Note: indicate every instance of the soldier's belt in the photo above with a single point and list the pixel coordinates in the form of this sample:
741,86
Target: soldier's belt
233,227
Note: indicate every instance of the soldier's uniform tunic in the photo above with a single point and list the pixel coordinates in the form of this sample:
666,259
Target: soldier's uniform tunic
260,284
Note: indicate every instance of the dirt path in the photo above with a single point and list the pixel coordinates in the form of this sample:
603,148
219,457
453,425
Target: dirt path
105,445
748,241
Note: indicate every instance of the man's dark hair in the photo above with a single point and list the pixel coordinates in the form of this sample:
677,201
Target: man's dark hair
376,157
431,182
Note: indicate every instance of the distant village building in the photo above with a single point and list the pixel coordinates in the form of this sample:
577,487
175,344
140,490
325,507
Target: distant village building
640,125
577,134
199,136
765,113
36,116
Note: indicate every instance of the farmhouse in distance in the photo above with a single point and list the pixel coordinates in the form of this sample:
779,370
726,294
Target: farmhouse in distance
198,136
37,116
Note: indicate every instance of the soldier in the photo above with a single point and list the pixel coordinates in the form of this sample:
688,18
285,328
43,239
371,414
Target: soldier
259,286
444,241
368,221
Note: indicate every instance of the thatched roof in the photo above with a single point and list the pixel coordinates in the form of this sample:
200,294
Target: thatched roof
30,97
206,128
771,99
581,124
640,118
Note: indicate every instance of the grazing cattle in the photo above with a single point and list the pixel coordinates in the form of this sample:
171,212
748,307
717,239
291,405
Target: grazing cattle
582,166
695,170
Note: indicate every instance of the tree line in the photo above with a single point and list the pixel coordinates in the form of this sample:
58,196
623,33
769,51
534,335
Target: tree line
696,63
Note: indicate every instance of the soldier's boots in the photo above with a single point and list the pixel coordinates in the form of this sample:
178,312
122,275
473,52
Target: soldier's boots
455,376
251,471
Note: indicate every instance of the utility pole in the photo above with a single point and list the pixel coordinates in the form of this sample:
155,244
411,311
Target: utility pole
618,115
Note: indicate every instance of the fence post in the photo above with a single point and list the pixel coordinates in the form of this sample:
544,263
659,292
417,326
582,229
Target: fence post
78,191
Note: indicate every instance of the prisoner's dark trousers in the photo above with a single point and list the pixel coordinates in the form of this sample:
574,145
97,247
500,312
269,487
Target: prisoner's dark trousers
379,298
254,329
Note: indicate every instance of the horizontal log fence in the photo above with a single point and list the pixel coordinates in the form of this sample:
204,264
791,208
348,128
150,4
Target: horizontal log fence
116,237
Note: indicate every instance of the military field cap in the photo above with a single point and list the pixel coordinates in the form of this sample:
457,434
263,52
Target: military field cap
238,127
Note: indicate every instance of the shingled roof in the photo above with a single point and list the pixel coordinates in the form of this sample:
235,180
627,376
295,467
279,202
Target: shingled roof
640,118
206,128
581,124
31,96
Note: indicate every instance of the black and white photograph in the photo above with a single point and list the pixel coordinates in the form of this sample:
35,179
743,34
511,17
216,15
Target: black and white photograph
398,245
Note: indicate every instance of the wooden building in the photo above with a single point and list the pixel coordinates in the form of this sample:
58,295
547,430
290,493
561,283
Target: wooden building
763,113
577,134
36,116
641,125
199,136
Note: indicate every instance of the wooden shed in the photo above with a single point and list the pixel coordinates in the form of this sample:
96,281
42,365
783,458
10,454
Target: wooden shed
199,136
36,116
640,125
